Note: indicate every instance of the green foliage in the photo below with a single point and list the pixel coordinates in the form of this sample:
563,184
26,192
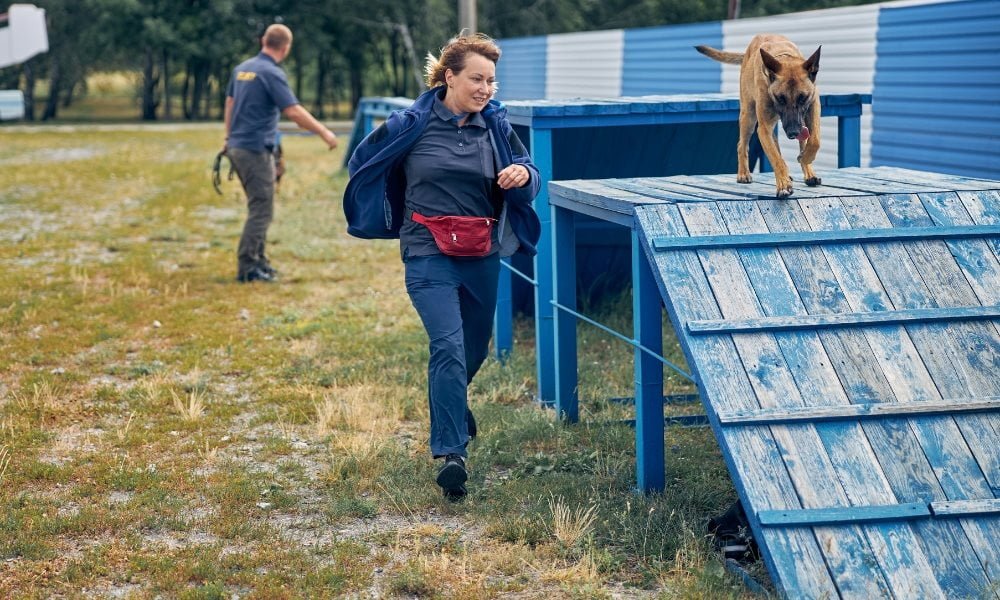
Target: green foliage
180,54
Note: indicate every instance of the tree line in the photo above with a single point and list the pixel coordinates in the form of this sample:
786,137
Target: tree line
182,51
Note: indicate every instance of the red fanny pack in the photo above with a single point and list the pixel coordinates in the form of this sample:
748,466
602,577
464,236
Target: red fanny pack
459,236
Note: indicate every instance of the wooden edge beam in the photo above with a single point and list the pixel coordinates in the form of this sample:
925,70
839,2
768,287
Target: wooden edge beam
965,508
814,517
856,319
806,238
845,412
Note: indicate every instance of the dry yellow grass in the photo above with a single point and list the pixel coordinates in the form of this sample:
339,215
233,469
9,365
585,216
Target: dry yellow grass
166,432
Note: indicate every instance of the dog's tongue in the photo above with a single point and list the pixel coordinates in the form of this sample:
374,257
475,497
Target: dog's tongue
803,135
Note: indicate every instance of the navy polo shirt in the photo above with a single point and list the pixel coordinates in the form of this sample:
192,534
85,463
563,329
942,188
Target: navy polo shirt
449,172
260,92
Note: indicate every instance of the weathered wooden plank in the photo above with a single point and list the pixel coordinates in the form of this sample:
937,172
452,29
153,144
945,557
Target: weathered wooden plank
941,442
635,187
844,515
864,181
875,410
815,460
974,348
668,184
763,483
597,193
877,364
805,238
853,319
767,181
941,181
761,187
910,479
966,508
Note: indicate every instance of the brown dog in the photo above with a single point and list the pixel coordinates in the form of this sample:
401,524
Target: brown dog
776,82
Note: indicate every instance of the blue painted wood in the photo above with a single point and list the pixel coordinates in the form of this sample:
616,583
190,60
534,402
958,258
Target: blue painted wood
853,236
528,112
849,138
503,326
887,317
843,515
966,508
833,464
884,275
648,331
960,271
564,325
598,212
876,410
721,378
541,152
859,373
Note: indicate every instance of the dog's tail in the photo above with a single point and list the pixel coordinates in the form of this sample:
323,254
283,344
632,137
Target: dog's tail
732,58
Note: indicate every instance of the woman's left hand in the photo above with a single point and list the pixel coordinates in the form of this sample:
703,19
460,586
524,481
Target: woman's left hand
514,176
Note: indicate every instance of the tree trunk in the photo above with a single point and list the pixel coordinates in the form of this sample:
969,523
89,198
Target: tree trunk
29,92
165,72
185,106
394,61
223,86
70,93
299,78
198,90
357,82
321,68
150,82
55,85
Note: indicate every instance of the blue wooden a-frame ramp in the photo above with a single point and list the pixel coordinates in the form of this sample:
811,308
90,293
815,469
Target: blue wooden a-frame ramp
846,347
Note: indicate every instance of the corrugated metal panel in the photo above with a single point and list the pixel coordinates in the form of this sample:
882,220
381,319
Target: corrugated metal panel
937,82
585,65
847,62
662,60
521,70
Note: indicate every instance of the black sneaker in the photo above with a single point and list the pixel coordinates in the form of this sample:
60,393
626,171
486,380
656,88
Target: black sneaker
267,268
452,477
256,274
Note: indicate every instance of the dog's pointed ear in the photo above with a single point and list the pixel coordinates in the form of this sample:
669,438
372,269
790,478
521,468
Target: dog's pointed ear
811,65
771,63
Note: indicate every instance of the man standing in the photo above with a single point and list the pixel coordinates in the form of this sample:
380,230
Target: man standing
257,95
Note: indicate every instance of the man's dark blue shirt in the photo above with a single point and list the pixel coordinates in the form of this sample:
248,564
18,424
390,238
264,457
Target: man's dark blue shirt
260,92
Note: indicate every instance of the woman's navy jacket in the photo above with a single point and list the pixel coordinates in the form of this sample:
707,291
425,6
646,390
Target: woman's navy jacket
373,200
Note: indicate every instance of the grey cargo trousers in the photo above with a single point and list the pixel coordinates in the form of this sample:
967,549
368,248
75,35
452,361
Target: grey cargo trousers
256,172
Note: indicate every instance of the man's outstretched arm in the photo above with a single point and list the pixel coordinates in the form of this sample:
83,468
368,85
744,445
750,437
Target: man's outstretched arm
301,117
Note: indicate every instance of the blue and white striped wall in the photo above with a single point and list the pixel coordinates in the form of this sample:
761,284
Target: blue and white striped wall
932,67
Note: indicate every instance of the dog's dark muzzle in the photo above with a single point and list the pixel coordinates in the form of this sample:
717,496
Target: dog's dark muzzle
793,130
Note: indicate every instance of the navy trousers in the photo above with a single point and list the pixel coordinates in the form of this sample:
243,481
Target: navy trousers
456,299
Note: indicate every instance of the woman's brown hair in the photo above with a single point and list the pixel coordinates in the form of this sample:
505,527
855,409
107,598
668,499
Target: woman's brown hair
453,56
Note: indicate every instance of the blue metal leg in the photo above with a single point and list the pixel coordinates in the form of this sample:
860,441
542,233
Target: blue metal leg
541,152
503,318
564,324
849,141
648,373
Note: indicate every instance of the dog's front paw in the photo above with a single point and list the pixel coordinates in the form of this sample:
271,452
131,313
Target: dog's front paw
744,178
813,181
784,190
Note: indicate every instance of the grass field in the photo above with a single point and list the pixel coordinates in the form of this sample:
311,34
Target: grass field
167,432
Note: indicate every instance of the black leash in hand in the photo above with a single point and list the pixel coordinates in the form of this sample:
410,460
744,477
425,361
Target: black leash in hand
217,170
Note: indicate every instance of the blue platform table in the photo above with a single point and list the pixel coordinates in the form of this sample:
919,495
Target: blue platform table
846,346
625,137
369,109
